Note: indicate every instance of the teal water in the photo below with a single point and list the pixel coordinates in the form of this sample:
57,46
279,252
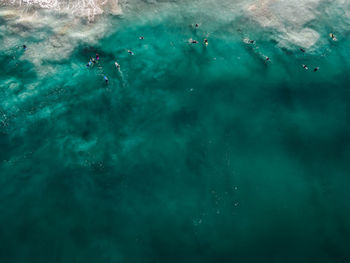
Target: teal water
189,154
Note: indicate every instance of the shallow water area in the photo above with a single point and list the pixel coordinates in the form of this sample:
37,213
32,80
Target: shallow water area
190,152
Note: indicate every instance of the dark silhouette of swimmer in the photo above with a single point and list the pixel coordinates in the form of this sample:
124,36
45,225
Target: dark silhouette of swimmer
196,25
106,79
97,57
130,52
316,69
194,42
302,50
141,38
24,47
248,41
305,67
267,58
205,41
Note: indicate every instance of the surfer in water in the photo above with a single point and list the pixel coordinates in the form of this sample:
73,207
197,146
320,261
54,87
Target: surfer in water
206,42
130,52
141,38
333,37
117,65
97,57
302,50
305,66
24,47
316,69
248,41
106,79
193,41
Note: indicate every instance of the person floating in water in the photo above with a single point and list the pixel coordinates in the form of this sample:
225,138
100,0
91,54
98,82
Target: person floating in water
248,41
141,38
267,58
206,41
93,60
194,41
97,57
106,79
305,66
196,25
24,47
316,69
333,37
89,64
117,65
302,50
130,52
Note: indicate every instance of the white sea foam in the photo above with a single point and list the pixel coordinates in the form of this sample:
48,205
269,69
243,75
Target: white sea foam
56,37
291,20
57,25
81,8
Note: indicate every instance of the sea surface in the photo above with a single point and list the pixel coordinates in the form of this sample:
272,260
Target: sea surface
191,152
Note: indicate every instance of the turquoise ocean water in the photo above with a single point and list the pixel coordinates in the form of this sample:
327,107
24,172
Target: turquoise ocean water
191,153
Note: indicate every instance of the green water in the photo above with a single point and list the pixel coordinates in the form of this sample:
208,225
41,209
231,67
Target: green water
189,154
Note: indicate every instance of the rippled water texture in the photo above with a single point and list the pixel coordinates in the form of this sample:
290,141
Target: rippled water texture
191,152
